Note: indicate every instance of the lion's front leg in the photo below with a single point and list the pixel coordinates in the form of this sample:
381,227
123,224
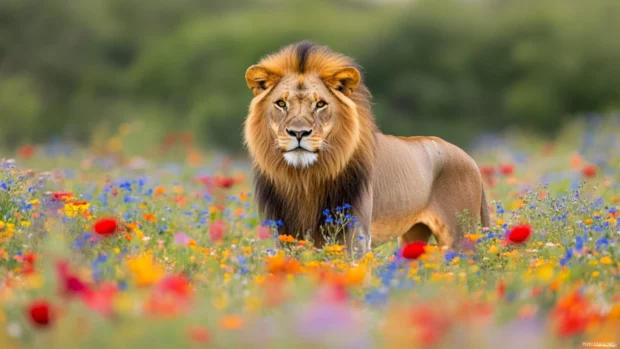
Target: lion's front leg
358,236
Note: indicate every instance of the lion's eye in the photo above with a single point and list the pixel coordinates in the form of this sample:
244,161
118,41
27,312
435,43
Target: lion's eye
320,104
280,103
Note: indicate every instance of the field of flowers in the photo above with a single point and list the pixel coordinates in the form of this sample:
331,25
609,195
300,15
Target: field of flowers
101,249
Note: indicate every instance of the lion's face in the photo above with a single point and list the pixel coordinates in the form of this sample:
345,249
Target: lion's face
301,113
309,113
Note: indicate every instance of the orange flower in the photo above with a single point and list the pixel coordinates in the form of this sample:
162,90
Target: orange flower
280,264
150,217
159,190
231,322
286,238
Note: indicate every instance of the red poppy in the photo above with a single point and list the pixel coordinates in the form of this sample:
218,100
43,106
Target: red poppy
199,334
105,226
62,195
519,233
29,257
487,171
413,250
40,313
26,151
70,284
175,285
506,169
101,300
589,171
216,231
501,289
224,182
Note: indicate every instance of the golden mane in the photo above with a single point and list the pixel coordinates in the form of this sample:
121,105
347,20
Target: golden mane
342,172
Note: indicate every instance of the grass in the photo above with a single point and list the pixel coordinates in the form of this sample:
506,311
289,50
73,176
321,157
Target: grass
191,263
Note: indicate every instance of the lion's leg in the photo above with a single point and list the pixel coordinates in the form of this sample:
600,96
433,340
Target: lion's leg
359,238
419,232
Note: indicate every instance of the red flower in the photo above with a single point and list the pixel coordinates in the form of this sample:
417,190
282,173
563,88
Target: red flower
40,313
26,151
70,284
501,289
105,226
413,250
216,231
175,285
589,171
487,171
29,258
199,334
62,195
519,233
101,300
506,169
224,182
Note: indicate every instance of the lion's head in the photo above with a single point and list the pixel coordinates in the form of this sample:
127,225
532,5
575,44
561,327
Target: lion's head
310,111
310,133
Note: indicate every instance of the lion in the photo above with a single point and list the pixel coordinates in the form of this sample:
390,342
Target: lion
314,144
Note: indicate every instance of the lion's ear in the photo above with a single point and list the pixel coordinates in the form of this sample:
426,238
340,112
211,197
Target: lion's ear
345,80
259,79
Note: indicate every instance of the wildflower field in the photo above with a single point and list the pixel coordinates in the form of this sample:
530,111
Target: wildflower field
101,249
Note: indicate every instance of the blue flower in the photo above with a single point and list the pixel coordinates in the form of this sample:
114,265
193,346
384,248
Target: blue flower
602,242
329,219
346,206
326,212
579,243
566,258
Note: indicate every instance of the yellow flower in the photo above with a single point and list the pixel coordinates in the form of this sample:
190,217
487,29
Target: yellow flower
588,221
545,273
500,222
74,209
25,224
606,260
145,271
493,249
335,248
115,144
595,274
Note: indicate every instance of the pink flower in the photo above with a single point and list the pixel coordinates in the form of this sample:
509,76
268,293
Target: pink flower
181,239
216,231
263,233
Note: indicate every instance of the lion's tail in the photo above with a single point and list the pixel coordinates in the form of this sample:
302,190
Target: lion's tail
484,211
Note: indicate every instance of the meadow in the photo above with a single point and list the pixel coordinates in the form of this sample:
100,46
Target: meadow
101,247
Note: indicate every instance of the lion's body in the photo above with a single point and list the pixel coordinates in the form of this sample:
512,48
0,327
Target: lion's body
423,181
400,187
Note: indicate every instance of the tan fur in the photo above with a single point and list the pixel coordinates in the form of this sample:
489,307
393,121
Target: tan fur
417,185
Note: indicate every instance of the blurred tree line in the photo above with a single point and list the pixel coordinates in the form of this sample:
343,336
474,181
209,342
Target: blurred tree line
449,68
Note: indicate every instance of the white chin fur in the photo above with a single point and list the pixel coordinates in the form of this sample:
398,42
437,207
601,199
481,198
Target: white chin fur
301,159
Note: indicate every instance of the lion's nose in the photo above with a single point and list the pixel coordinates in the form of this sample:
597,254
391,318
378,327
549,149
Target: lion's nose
299,134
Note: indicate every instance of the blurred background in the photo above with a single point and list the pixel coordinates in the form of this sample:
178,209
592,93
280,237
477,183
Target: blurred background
78,70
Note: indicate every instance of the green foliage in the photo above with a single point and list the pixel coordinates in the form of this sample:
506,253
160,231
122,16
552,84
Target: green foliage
450,68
